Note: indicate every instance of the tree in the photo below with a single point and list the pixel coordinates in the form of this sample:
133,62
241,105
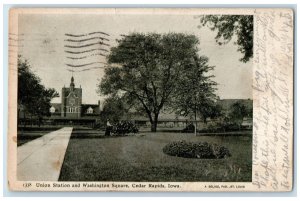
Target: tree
237,113
114,109
230,25
42,105
146,67
33,97
195,91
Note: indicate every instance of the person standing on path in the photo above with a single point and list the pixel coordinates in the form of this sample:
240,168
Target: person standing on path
108,128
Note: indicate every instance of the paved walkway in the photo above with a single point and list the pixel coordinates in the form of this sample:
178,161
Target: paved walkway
41,159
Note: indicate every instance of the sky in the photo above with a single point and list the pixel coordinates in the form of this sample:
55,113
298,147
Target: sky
42,40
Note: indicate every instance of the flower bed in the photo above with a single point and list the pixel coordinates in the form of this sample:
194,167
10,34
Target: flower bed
201,150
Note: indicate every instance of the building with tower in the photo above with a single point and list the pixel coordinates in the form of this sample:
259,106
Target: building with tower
71,110
71,99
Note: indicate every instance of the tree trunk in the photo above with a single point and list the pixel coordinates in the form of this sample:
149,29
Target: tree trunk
24,118
153,126
154,123
39,122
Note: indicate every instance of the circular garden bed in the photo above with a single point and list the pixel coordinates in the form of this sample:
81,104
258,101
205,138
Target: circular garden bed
200,150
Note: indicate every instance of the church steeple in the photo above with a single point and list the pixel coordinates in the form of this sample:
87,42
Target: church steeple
72,85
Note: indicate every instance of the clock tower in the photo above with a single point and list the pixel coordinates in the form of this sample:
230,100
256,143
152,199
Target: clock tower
71,99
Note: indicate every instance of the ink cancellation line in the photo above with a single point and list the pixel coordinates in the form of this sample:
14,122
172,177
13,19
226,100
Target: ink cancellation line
22,34
80,44
87,45
13,34
85,57
124,35
14,39
86,39
83,65
87,69
91,50
27,35
88,34
15,50
11,45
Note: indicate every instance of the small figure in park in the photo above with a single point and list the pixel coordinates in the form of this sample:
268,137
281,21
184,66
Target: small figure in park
108,128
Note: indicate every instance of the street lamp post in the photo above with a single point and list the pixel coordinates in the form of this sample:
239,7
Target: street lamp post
195,124
196,113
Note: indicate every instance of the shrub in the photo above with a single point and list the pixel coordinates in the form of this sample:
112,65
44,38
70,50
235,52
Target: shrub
99,126
220,127
124,128
229,126
201,150
189,129
212,128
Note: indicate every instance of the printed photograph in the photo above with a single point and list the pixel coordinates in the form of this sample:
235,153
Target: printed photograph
134,97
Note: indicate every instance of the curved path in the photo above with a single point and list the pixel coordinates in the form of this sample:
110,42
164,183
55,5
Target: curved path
41,159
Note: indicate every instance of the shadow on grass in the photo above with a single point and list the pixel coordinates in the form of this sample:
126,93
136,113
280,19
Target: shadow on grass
27,134
159,174
22,139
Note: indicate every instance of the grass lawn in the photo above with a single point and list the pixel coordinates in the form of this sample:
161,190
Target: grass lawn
30,133
92,157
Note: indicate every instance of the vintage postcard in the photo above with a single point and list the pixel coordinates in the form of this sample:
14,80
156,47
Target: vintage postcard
150,99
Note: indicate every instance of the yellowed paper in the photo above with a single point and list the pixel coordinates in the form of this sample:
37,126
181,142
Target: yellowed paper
267,78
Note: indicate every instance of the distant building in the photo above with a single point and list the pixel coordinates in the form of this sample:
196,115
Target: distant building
71,110
171,120
227,103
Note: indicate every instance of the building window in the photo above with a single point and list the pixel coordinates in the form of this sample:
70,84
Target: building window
52,109
72,110
90,110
